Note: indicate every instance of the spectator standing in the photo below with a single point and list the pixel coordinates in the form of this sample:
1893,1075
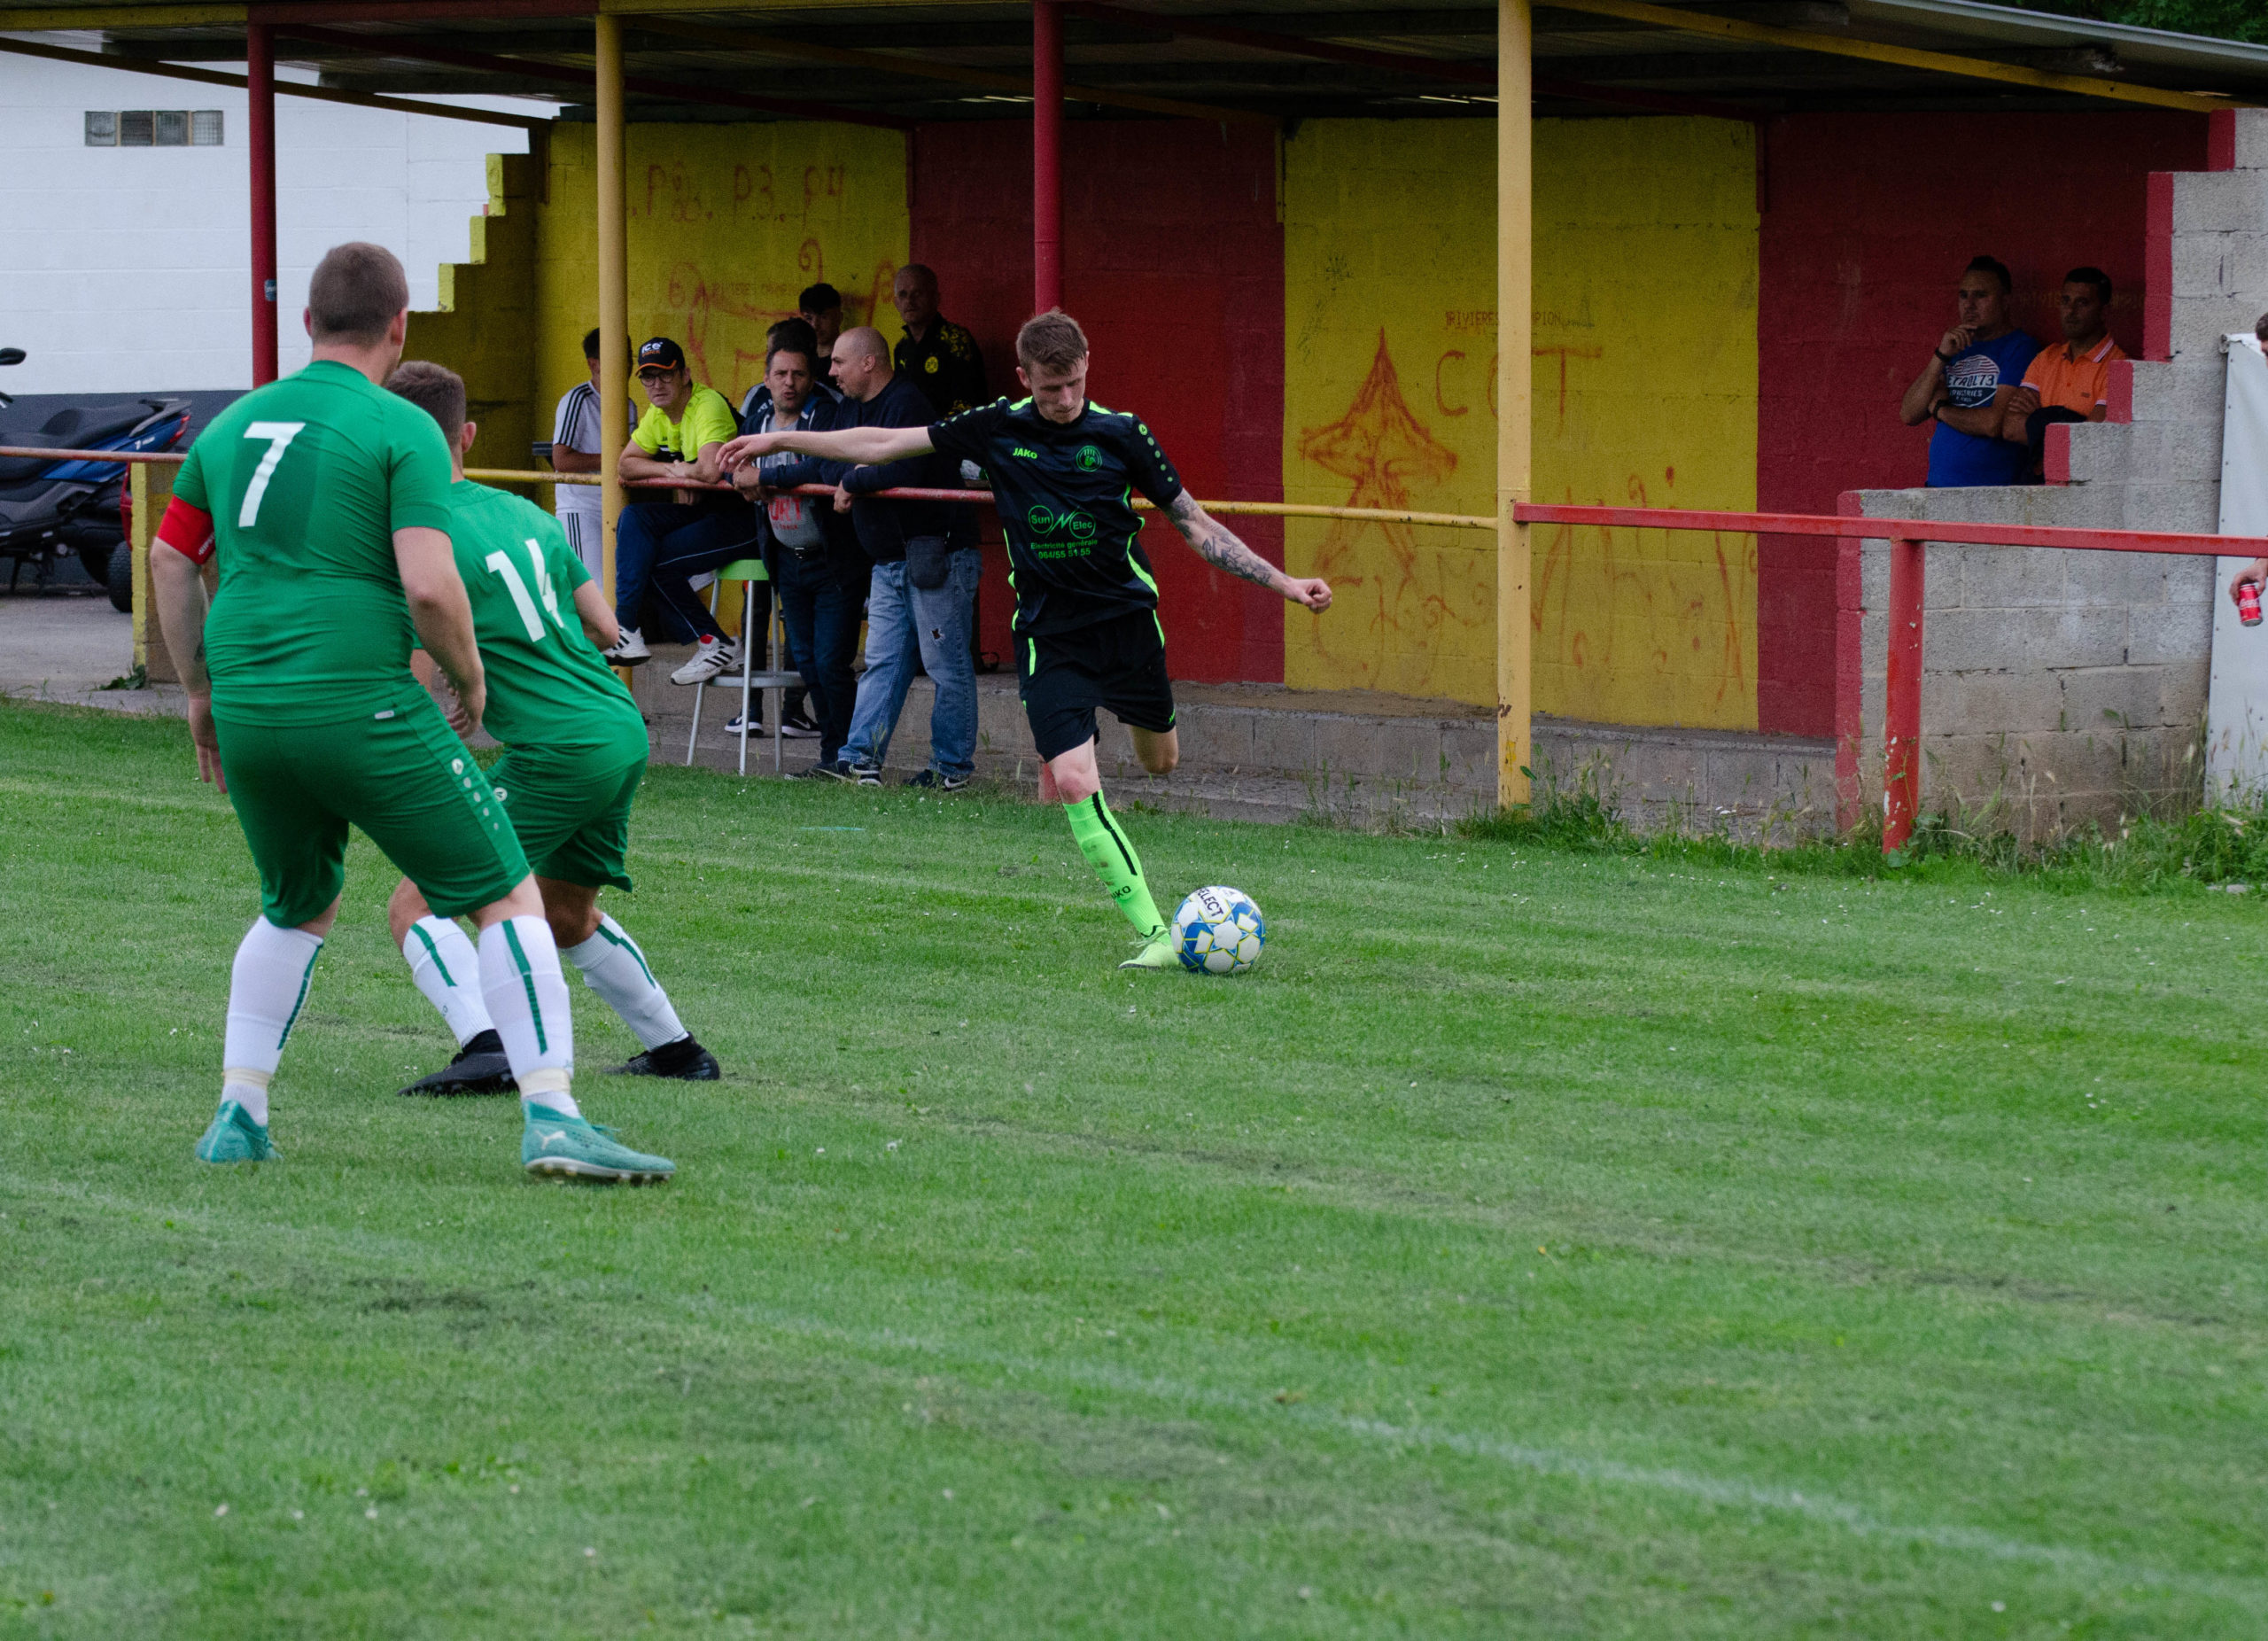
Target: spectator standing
2070,383
790,333
577,447
1966,387
658,545
940,357
921,592
811,549
820,306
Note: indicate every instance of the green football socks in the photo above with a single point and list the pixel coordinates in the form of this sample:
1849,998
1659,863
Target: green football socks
1114,861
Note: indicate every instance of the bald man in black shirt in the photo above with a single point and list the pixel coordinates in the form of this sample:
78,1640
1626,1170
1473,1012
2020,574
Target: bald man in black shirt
1087,633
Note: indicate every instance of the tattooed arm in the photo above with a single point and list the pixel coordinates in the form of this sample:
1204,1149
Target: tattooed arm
1217,545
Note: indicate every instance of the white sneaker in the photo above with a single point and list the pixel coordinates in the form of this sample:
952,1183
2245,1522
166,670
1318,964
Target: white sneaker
712,656
630,649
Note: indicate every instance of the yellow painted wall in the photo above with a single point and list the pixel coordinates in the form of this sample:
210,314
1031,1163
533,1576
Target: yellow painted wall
1644,390
728,224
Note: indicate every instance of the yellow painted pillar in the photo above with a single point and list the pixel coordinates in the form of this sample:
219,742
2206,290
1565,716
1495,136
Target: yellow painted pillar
1515,328
614,291
151,489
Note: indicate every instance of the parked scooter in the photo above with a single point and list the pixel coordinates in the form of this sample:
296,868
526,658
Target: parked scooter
48,509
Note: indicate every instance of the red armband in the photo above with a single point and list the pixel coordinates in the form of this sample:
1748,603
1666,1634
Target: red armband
188,531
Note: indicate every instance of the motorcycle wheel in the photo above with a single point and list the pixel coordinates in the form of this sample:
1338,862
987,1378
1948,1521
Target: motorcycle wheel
118,573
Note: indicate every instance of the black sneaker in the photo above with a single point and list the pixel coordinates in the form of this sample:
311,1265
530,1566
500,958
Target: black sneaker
796,726
864,774
820,771
480,1068
685,1059
733,726
937,781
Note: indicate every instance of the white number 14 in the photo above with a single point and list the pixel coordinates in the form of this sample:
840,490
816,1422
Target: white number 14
501,563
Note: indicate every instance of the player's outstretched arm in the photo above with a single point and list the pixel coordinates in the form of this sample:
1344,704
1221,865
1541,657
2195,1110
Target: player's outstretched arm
442,615
1217,545
859,447
178,588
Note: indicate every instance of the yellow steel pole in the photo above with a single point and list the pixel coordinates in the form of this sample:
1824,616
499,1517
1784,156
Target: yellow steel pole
1515,326
614,294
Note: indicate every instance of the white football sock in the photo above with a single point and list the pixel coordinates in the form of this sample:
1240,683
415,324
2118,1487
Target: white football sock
447,971
266,988
527,1000
615,968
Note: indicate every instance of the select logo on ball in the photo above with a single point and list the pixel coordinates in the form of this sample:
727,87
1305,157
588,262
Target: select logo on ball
1218,930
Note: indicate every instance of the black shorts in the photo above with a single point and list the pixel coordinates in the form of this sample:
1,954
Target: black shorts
1118,663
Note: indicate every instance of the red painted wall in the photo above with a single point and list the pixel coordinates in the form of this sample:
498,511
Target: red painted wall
1173,263
1869,220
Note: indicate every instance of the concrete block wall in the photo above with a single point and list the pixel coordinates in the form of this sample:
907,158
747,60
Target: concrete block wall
2071,686
487,327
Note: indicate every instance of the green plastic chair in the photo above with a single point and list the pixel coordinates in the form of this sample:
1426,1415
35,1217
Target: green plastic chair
748,573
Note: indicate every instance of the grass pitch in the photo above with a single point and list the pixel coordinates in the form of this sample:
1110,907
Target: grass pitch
1538,1244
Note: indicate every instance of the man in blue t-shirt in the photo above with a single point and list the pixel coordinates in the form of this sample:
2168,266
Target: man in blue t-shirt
1966,387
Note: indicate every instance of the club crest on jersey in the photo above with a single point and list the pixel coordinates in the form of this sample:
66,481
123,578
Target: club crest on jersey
1087,459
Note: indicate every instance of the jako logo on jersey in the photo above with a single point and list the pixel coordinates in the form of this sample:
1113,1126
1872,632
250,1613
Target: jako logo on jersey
1028,455
1046,522
1087,459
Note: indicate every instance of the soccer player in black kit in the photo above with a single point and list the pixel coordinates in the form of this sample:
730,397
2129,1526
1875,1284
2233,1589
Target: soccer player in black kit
1087,633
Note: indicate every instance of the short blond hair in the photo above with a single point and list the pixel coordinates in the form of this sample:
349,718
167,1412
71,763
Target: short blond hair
1052,339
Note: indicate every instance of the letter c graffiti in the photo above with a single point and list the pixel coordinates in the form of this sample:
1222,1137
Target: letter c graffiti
1441,403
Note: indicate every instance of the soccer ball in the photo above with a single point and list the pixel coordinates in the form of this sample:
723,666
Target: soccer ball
1219,931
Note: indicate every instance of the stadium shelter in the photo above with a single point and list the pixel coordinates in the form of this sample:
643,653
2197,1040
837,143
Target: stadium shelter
1694,270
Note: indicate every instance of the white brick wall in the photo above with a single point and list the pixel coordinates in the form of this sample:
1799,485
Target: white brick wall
128,270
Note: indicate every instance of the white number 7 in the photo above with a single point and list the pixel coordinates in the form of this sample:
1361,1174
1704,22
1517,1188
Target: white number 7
279,436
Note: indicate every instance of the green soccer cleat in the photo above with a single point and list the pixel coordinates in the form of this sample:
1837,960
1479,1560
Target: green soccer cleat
570,1147
1157,953
235,1138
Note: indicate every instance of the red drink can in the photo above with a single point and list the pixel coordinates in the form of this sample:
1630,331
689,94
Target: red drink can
2248,602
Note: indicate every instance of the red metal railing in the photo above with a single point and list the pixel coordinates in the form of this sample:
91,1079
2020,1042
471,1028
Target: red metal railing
1902,695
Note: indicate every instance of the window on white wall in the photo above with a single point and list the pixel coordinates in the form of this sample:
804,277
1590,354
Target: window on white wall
159,127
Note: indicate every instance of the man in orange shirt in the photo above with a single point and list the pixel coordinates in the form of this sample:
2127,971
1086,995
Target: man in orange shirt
2070,383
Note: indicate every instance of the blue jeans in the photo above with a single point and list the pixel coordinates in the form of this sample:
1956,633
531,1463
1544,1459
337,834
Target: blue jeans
821,615
659,546
903,622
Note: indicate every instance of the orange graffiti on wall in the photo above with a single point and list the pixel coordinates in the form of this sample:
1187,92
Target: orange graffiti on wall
725,315
1382,450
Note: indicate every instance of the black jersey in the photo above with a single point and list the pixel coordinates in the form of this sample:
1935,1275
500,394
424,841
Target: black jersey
1065,496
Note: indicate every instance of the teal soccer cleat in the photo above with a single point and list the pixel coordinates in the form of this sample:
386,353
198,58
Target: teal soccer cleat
568,1147
235,1138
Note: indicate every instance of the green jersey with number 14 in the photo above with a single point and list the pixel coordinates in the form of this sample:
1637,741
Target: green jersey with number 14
307,480
547,685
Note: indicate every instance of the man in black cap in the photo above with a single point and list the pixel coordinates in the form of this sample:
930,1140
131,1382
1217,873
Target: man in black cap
659,545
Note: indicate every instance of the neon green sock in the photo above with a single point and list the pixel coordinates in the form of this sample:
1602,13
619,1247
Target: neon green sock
1114,861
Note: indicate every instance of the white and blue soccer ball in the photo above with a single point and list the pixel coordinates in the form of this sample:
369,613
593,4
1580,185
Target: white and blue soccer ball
1219,931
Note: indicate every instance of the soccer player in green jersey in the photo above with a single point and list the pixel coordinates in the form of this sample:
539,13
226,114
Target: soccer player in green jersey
1087,634
325,499
579,750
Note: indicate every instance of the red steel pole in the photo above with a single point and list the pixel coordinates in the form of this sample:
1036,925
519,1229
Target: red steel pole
259,138
1047,155
1901,775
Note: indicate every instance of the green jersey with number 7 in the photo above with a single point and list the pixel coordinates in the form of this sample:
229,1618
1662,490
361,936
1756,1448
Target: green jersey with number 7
307,480
547,686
